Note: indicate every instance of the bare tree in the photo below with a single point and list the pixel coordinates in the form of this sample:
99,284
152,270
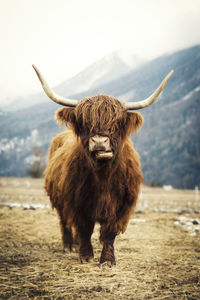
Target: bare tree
38,161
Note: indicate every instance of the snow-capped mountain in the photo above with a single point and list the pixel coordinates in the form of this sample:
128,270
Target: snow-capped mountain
109,68
169,141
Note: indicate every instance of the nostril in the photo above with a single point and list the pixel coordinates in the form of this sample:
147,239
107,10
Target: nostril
99,139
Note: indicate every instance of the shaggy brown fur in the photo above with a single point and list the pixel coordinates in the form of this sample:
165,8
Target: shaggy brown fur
84,190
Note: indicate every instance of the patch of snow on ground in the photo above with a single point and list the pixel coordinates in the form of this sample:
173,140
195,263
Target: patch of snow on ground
25,205
135,221
3,182
192,226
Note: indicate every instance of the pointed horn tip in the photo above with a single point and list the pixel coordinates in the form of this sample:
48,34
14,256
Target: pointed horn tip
170,74
35,68
38,73
165,81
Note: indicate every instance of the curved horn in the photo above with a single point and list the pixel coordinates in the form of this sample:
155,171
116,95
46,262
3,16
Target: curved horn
150,100
50,93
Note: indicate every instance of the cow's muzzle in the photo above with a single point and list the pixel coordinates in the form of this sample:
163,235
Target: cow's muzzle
100,147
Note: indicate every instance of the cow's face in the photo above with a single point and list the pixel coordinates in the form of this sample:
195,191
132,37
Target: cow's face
102,123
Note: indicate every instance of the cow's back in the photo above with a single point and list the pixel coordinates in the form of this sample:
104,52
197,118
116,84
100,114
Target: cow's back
62,138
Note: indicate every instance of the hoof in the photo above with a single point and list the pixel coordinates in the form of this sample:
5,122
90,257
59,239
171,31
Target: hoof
86,259
74,249
70,248
66,250
108,263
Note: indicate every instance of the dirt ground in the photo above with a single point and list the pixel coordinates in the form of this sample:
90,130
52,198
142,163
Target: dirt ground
157,258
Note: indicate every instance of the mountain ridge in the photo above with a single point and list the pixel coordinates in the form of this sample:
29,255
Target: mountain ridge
110,67
168,143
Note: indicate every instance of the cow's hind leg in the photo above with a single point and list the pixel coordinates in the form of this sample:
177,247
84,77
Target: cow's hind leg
67,236
107,238
84,231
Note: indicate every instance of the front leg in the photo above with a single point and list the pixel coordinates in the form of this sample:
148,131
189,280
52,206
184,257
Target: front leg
107,238
84,232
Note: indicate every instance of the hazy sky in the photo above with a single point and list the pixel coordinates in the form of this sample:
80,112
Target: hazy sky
62,37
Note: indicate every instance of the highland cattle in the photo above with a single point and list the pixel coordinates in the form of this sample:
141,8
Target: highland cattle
93,172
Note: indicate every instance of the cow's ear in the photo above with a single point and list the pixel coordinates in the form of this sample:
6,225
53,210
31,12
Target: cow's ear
135,121
65,116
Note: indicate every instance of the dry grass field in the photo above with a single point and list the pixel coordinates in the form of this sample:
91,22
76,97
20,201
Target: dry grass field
157,258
